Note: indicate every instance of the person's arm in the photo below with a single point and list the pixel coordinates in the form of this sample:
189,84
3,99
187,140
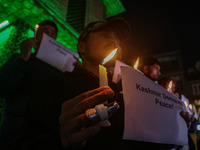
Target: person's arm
48,113
75,127
187,117
15,68
11,73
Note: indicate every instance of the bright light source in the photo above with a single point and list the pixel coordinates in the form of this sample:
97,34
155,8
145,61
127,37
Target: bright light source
110,56
3,24
136,63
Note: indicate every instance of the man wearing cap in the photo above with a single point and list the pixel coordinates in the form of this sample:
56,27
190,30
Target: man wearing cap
17,77
56,114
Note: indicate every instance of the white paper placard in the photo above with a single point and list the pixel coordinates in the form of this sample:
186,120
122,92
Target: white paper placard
56,54
151,112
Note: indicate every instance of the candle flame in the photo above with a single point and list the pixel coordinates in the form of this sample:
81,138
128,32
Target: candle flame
36,26
136,63
186,105
110,56
170,84
190,106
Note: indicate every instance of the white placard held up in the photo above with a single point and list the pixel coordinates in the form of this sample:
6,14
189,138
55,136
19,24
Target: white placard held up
151,112
56,54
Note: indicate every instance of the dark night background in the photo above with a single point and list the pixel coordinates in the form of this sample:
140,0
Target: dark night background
164,26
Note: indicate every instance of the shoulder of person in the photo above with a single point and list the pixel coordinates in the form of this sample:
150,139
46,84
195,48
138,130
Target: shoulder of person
60,79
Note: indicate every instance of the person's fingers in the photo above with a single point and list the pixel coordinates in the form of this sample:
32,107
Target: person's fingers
68,104
86,103
75,124
81,136
77,64
94,100
191,118
63,138
76,58
187,117
29,42
184,115
76,132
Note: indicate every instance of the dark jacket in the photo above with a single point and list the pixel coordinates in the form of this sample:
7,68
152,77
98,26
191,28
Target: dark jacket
17,79
42,127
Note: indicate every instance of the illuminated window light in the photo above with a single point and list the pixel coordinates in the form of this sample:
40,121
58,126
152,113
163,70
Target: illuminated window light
3,24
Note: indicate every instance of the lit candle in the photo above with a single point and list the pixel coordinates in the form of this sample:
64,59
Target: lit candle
186,105
136,65
103,79
190,107
36,29
169,89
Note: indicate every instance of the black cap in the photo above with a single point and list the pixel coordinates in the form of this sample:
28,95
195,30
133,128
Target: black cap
118,26
49,22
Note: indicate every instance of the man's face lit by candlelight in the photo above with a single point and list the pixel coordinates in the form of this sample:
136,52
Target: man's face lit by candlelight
152,71
49,30
98,45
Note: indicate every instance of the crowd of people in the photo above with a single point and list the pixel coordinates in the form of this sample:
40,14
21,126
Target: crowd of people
45,108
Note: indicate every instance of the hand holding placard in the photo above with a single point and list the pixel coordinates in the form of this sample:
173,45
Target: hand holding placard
56,54
151,112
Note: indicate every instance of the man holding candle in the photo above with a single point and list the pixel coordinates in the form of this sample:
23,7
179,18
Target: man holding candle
150,66
165,82
45,125
17,77
193,121
15,68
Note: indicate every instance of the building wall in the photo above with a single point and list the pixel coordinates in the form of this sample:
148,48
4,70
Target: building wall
172,66
194,92
95,10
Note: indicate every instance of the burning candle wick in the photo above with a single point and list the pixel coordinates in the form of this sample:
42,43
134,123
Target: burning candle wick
104,61
136,63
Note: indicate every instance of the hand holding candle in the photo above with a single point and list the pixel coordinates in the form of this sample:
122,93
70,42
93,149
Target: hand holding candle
103,79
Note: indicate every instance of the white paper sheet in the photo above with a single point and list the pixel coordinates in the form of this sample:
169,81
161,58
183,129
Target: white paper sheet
151,112
56,54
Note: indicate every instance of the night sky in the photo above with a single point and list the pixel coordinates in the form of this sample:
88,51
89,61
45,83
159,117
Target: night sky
164,26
